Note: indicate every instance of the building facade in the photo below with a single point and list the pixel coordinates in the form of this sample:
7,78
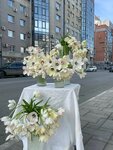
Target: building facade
15,30
56,18
103,42
40,23
65,18
88,26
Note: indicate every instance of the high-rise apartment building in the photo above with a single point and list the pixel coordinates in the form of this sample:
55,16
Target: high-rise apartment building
73,18
67,18
103,42
54,18
88,26
15,29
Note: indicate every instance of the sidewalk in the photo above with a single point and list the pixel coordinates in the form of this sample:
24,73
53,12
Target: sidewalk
97,124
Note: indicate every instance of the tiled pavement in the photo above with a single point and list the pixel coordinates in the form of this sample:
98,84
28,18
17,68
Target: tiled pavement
97,124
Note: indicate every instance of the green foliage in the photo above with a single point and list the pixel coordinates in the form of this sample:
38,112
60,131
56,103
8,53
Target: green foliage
66,48
32,106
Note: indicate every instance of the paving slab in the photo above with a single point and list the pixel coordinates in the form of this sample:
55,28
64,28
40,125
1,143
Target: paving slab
108,124
109,147
95,145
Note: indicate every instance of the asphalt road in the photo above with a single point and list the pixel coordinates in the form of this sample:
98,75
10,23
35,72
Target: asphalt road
93,84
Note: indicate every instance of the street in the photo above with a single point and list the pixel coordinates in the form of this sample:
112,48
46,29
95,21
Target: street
93,84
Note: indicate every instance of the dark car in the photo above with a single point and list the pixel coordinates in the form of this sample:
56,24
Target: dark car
11,69
111,69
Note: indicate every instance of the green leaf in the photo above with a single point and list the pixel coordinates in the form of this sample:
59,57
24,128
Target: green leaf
39,102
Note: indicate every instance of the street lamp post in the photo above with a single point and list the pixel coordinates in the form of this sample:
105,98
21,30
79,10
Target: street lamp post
0,50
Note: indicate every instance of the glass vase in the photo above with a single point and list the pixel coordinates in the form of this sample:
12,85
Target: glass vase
67,81
35,144
59,83
41,81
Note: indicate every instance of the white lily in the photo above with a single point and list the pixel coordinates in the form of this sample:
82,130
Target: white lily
32,117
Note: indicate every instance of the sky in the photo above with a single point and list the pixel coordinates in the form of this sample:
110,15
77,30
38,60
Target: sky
104,9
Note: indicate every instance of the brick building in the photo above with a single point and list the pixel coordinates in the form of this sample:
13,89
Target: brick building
103,44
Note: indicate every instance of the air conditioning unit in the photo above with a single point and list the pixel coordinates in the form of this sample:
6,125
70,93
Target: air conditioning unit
3,28
6,45
26,14
15,9
52,36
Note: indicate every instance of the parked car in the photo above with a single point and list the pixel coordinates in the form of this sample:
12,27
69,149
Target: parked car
106,67
91,69
111,69
11,69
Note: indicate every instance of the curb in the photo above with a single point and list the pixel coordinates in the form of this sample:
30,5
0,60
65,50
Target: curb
91,99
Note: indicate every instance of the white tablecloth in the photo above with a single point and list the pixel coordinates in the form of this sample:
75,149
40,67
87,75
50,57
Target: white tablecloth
69,133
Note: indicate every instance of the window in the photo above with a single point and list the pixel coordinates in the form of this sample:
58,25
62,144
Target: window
67,30
44,37
10,3
57,29
43,11
22,22
10,33
40,24
10,18
68,4
57,6
22,49
12,48
22,36
73,6
67,21
57,17
72,15
36,23
72,23
36,10
22,8
44,1
43,24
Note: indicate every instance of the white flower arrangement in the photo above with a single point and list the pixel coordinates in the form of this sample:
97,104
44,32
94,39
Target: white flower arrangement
35,118
74,64
35,63
58,67
57,63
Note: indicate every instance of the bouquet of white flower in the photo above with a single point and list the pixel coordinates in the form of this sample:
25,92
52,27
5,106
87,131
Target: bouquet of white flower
35,62
74,64
34,118
57,67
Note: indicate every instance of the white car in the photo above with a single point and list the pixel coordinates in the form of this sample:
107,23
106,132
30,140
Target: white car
91,69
